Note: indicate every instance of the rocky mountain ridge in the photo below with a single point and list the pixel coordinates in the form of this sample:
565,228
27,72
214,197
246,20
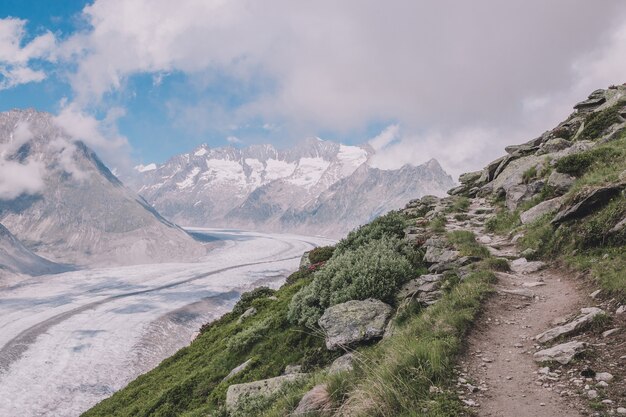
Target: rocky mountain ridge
317,186
81,213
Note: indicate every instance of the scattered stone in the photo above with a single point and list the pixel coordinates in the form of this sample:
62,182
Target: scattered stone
248,313
560,183
541,210
602,384
353,322
592,393
554,145
237,370
263,388
528,253
621,410
583,320
317,401
621,310
305,262
521,292
343,363
604,376
595,294
484,239
470,403
562,353
610,332
292,369
441,255
544,371
533,284
523,266
588,201
619,227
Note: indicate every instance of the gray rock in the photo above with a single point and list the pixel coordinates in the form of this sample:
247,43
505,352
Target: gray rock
588,201
292,369
554,145
513,173
619,227
237,370
589,104
470,177
441,255
604,376
353,322
562,353
263,388
522,266
560,183
521,193
248,313
343,363
583,320
315,402
424,283
540,210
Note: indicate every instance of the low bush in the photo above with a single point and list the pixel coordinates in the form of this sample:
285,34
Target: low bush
299,275
374,270
578,163
391,224
597,123
321,254
247,297
503,222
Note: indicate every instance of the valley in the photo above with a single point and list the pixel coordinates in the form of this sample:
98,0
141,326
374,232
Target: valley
69,340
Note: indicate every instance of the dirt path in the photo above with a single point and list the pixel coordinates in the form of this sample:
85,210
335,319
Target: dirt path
498,373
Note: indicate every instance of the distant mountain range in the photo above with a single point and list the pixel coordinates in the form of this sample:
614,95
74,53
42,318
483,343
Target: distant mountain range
316,187
81,214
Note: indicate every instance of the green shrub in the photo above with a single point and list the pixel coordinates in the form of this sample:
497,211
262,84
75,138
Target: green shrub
299,275
247,297
438,224
391,224
374,270
321,254
497,264
578,163
461,204
598,122
248,336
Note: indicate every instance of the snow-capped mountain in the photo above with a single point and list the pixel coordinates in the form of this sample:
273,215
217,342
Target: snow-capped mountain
16,258
260,187
80,213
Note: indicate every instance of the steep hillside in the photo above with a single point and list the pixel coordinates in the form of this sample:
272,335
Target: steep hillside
82,214
16,258
308,188
387,322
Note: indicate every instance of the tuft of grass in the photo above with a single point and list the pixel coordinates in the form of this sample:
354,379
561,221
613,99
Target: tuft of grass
497,264
438,224
529,175
465,242
503,222
461,217
578,164
597,123
460,205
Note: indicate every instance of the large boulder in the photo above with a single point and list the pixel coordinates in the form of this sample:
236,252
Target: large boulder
513,173
521,193
560,183
424,289
264,388
554,145
540,210
305,262
441,255
354,322
523,266
588,201
583,320
562,353
317,402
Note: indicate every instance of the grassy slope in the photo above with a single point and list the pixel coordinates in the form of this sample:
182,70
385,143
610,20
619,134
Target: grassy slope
397,372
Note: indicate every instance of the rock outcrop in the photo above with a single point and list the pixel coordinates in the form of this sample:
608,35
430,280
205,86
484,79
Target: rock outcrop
354,322
562,353
264,388
583,320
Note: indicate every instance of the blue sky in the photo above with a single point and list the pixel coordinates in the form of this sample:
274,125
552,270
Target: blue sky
142,80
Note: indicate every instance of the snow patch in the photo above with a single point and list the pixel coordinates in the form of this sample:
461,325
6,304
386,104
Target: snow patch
190,180
276,169
309,172
145,168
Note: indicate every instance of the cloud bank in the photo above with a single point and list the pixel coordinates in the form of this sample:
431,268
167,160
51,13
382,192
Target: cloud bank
454,80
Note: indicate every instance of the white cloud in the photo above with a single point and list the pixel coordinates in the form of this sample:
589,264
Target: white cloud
18,178
15,58
233,139
387,136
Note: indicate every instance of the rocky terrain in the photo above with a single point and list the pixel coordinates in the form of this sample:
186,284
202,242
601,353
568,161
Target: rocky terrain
506,298
316,187
80,213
